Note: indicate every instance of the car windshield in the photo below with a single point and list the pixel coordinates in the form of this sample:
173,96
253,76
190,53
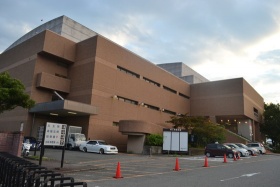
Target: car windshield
227,147
102,143
242,145
80,137
233,145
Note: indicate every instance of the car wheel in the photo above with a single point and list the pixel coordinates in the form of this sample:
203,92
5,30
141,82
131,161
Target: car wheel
85,149
101,151
250,152
230,155
260,151
208,154
70,147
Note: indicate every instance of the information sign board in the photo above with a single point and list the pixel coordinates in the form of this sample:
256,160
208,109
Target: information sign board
55,134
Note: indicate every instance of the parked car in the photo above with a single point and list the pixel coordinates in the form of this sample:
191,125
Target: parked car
216,149
269,141
32,141
98,146
243,152
252,151
258,146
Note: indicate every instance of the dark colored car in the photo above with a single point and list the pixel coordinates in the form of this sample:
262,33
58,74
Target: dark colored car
33,141
216,149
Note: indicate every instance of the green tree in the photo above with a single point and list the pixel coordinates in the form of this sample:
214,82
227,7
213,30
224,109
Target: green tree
205,130
271,125
12,94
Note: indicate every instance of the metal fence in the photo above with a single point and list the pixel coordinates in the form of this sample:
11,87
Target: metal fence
18,172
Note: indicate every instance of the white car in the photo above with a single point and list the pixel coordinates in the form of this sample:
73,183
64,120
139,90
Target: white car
243,152
98,146
258,146
251,150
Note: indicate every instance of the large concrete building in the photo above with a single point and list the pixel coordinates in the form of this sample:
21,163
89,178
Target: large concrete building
81,78
184,72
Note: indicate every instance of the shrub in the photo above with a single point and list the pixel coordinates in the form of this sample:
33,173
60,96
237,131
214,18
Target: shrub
154,140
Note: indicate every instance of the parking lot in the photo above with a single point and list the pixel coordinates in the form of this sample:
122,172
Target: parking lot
141,170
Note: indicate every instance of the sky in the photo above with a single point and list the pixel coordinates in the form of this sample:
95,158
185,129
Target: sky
220,39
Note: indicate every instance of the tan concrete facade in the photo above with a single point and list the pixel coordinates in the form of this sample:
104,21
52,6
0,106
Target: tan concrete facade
233,103
113,93
96,72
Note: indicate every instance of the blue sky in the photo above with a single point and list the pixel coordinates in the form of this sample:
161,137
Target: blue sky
220,39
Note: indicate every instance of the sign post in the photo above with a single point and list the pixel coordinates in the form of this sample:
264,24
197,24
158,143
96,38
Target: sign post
54,135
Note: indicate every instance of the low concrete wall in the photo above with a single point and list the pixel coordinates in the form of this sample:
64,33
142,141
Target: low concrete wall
154,150
11,142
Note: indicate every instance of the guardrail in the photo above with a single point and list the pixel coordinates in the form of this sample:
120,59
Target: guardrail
18,172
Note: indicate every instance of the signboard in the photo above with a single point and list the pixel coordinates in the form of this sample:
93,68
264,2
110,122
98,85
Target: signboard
175,140
40,133
55,134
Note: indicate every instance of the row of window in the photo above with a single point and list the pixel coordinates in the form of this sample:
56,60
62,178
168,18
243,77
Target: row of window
151,81
130,101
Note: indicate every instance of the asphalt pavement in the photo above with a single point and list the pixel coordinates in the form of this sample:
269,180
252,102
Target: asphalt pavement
163,170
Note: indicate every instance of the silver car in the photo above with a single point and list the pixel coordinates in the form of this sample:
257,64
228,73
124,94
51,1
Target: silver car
243,152
258,146
251,150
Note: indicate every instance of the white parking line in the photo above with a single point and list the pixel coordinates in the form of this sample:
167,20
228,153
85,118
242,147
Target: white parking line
214,159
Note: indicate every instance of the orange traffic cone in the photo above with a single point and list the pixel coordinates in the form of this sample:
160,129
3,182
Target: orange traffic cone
234,157
118,172
177,167
206,162
225,158
238,156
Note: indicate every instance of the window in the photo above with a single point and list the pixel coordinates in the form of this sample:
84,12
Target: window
127,100
151,82
92,142
59,75
128,72
256,112
115,123
151,107
185,96
168,111
169,89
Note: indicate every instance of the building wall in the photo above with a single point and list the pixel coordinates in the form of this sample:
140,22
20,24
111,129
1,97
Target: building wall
135,144
19,62
92,68
217,98
232,103
226,97
252,100
11,142
99,58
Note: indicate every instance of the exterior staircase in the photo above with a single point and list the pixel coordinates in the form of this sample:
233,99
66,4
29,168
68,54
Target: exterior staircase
236,138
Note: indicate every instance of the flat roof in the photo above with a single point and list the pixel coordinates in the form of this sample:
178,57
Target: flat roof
64,108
